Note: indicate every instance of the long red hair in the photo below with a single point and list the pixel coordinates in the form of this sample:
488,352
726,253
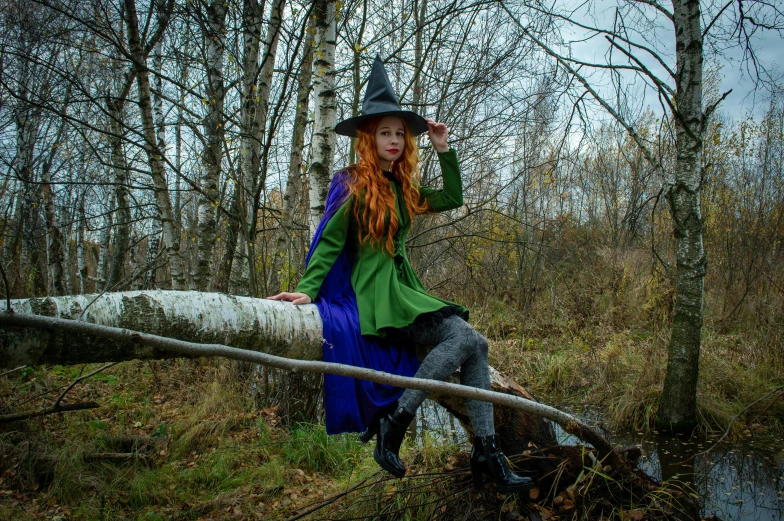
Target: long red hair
369,181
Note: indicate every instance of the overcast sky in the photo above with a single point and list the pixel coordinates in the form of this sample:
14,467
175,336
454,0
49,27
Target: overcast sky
656,33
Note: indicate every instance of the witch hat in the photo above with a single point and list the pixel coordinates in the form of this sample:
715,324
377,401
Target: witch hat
380,101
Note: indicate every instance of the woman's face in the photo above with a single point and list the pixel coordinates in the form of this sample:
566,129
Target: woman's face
389,140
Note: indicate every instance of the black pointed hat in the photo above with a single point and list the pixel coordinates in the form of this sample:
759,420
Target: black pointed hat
380,101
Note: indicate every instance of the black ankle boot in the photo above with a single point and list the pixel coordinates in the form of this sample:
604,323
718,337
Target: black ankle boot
391,429
487,458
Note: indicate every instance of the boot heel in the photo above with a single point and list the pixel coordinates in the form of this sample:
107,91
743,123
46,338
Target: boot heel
477,475
371,431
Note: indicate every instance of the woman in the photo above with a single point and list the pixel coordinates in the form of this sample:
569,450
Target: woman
373,305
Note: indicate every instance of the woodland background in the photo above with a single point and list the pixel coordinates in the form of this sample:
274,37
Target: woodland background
185,145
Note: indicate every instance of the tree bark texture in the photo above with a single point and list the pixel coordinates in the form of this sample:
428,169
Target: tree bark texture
294,183
213,152
257,81
54,238
678,407
243,322
171,237
105,239
81,262
356,76
122,230
326,109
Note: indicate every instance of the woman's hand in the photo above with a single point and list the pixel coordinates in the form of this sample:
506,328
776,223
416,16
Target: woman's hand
294,298
438,134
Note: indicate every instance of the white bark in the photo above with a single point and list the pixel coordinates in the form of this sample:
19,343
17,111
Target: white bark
326,109
678,403
81,264
105,238
248,323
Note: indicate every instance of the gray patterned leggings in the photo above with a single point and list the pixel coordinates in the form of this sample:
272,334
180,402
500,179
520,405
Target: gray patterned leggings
457,345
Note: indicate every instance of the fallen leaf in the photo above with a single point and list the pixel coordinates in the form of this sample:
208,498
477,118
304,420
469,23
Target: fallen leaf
534,493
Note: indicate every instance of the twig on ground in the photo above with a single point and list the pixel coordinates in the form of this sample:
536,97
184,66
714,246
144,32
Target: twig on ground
328,501
13,370
84,377
5,418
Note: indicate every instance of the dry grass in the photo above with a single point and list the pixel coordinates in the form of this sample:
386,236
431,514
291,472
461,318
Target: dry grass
600,342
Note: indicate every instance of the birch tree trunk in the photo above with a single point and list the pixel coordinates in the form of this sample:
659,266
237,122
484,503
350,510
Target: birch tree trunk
215,132
105,239
116,110
54,238
257,80
81,264
122,232
171,237
677,407
323,149
294,183
28,125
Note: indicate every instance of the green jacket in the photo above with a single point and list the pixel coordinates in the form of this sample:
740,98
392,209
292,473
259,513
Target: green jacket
389,293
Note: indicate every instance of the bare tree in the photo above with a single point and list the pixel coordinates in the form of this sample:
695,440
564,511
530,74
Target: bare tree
632,48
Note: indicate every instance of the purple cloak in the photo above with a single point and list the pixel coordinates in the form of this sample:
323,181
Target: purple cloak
349,403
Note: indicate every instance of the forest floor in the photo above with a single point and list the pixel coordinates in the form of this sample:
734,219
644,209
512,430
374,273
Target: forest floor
183,439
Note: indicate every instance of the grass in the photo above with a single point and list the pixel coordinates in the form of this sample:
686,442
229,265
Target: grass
203,449
603,346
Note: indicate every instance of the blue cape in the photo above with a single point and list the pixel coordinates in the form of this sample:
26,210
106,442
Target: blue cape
349,404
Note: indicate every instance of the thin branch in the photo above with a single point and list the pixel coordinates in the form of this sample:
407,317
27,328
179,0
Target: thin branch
715,18
658,7
84,377
568,422
729,426
18,416
13,370
564,62
659,83
328,501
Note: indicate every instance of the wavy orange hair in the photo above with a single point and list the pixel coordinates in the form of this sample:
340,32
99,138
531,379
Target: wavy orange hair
379,200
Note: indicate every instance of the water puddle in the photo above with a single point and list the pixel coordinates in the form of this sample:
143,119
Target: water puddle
735,482
739,482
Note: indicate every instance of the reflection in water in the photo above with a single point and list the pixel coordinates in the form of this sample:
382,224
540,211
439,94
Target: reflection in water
677,466
438,422
741,482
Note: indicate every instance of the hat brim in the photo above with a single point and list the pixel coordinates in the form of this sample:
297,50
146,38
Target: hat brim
416,123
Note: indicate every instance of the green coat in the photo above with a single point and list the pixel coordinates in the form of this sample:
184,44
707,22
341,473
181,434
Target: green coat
389,293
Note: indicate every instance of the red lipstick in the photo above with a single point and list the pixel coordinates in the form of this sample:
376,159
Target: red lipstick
393,150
